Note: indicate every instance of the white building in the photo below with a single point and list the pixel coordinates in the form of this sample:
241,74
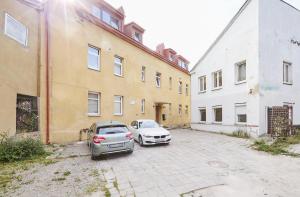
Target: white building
253,64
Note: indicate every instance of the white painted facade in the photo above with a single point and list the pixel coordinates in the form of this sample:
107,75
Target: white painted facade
261,35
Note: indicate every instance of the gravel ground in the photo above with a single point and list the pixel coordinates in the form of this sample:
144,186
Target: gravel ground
194,164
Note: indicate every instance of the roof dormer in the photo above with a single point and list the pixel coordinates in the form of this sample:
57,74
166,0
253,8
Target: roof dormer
134,31
108,14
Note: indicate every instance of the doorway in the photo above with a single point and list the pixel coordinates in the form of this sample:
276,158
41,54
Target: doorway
158,113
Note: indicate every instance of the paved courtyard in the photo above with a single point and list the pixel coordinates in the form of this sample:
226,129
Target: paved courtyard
194,164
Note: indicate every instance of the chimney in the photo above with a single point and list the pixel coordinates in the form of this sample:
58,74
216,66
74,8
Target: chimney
160,49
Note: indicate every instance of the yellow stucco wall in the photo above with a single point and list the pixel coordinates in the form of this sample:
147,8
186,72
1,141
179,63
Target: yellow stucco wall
71,80
18,63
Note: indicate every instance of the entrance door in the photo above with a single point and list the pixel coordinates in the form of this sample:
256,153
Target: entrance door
157,113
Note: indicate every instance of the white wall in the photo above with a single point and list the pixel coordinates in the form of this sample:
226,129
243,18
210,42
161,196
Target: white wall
279,23
239,43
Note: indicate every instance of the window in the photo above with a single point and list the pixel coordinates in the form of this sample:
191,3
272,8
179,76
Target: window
96,12
240,72
143,76
287,73
202,84
217,79
118,68
182,64
93,58
202,112
158,79
171,57
170,83
186,109
180,109
217,114
241,113
118,105
137,36
15,30
187,89
105,17
180,87
93,103
143,106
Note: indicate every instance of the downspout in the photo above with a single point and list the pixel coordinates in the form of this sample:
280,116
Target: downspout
47,38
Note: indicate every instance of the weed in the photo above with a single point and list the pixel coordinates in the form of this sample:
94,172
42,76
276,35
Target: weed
67,173
91,188
238,134
94,173
116,185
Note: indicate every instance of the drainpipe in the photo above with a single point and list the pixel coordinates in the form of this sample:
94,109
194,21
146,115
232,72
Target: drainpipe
47,38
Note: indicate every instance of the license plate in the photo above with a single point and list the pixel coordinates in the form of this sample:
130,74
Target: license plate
116,145
158,140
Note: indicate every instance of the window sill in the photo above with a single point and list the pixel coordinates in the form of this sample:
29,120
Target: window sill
94,69
218,88
241,123
202,92
217,123
288,83
240,82
118,114
94,115
117,75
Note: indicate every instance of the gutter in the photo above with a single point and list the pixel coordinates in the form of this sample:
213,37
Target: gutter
47,38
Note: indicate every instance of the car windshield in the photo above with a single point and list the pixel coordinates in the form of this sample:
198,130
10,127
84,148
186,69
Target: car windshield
148,124
112,129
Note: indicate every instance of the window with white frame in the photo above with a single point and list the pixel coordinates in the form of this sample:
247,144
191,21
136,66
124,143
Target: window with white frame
287,73
118,68
202,113
15,30
105,17
118,105
158,79
170,83
202,84
93,103
93,58
143,106
240,70
217,79
143,73
182,64
218,114
186,89
180,87
241,113
180,109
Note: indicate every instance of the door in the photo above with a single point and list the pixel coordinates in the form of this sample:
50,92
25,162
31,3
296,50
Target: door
157,113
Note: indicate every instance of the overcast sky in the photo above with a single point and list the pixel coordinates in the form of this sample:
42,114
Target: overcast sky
187,26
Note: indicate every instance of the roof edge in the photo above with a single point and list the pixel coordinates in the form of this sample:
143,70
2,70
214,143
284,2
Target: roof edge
232,21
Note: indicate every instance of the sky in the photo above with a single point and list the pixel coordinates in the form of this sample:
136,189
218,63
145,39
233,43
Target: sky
187,26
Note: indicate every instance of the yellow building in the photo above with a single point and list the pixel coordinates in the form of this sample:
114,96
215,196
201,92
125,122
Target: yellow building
93,67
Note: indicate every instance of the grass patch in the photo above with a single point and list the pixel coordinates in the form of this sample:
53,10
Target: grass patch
280,146
238,134
116,185
67,173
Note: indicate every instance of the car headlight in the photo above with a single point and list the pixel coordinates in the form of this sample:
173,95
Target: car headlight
147,136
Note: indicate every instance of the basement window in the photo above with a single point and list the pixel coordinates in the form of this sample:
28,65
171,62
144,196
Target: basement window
218,116
202,113
15,30
241,113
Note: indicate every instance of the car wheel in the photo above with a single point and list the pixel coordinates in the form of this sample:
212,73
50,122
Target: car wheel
130,152
141,141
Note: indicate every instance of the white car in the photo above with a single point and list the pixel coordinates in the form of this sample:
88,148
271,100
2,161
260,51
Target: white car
149,132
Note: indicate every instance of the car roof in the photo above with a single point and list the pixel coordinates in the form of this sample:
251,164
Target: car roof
108,123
